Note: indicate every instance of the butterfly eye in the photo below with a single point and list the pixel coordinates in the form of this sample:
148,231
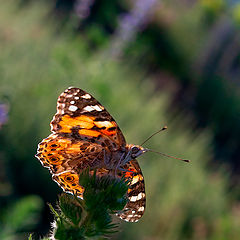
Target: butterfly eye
135,150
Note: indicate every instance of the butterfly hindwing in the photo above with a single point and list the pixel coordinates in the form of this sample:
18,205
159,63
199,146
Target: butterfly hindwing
61,154
136,204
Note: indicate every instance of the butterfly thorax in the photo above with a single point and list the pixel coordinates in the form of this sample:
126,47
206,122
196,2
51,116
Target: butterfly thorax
119,157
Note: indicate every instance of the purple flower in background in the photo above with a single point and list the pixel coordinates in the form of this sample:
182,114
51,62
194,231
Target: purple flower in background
3,114
82,8
130,24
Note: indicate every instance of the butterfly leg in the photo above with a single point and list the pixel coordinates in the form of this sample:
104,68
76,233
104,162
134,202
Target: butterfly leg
104,157
97,165
119,163
125,170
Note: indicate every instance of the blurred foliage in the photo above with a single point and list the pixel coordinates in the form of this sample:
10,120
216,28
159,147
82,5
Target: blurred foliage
20,217
236,13
40,58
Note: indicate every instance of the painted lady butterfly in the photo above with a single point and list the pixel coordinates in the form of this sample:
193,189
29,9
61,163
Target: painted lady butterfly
85,135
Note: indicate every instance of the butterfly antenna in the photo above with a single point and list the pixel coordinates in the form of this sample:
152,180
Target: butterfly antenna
166,155
164,128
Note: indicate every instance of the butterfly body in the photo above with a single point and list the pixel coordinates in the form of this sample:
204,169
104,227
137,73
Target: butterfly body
84,135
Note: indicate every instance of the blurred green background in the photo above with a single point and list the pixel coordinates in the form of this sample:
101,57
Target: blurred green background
150,63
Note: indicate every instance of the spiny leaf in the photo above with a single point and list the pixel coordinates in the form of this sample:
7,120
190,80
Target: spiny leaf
91,217
70,208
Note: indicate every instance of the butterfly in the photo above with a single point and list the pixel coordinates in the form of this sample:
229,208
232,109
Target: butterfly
84,135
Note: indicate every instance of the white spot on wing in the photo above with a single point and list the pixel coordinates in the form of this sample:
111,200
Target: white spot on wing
106,124
69,95
76,98
86,96
93,108
98,108
140,196
73,108
88,109
72,102
133,199
136,179
141,209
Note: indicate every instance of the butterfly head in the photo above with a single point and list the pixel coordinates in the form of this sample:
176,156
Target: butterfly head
136,150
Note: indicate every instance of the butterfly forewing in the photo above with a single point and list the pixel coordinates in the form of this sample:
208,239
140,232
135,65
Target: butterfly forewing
81,116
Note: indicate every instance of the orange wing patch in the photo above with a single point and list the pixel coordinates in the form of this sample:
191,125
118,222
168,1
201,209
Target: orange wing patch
69,182
106,127
49,152
86,123
91,133
67,122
